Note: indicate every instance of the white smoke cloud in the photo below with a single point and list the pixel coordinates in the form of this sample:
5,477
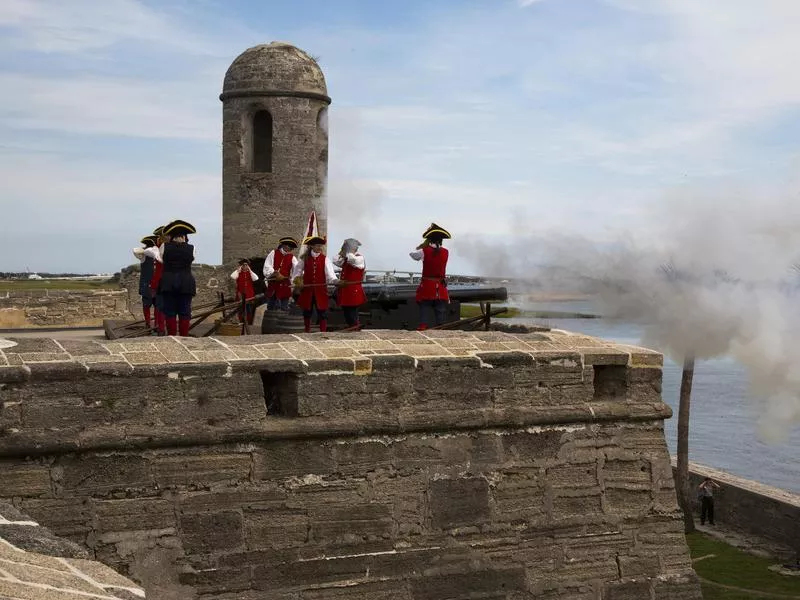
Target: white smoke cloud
713,275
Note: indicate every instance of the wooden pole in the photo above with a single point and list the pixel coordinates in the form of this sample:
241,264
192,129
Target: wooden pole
682,476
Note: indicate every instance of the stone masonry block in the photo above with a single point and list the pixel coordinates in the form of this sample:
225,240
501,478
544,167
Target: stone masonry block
212,532
134,514
357,457
29,479
490,583
293,459
350,522
93,474
275,527
626,590
201,469
528,447
639,566
458,502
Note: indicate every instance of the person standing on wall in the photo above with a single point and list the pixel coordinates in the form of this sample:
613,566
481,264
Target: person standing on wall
177,282
244,278
312,276
161,324
148,257
707,500
350,294
432,290
278,268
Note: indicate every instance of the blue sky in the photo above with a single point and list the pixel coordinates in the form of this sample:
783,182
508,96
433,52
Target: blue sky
494,118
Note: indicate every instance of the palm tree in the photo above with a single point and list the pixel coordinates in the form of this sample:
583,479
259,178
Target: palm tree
672,274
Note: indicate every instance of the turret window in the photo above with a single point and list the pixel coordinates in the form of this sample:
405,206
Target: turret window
262,142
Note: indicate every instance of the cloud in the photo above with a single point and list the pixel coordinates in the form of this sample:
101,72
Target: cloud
81,26
111,106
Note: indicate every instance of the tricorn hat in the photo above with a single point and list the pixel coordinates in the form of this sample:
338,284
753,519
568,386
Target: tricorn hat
313,240
288,241
179,227
158,231
435,232
149,240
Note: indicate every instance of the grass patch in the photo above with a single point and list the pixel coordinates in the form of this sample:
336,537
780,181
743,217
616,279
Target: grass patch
733,567
26,285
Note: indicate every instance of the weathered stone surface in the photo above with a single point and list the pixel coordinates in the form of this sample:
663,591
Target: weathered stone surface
59,308
521,468
36,565
459,502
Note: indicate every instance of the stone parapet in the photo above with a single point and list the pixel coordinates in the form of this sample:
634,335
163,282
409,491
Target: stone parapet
399,465
35,564
768,515
61,308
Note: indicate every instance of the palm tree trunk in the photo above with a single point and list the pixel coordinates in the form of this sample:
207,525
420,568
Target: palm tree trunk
682,478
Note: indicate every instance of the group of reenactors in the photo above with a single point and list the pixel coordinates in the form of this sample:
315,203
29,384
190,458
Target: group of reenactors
167,286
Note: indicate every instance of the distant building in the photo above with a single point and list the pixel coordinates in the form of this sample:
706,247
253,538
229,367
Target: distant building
34,276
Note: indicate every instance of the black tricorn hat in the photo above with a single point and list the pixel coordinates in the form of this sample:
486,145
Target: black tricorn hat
179,227
158,231
149,240
313,240
288,241
435,232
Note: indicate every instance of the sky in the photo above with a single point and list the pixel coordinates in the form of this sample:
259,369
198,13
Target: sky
494,118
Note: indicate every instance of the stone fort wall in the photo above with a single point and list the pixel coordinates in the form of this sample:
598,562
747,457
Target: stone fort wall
401,465
61,308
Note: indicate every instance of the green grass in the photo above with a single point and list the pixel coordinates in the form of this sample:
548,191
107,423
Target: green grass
11,285
733,567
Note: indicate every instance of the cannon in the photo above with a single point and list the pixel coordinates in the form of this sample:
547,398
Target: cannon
390,305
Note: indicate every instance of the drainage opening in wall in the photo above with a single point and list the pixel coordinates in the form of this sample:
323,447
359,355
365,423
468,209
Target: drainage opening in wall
610,381
280,393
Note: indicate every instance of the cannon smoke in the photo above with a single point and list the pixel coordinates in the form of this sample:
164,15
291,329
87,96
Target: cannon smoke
704,276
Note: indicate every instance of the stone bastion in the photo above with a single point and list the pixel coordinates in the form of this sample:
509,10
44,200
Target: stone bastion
399,466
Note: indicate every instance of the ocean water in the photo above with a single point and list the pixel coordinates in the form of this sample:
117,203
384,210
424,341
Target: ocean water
723,427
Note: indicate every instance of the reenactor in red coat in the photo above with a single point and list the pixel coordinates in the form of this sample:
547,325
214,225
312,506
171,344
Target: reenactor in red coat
160,321
244,278
278,268
432,289
350,294
311,277
148,256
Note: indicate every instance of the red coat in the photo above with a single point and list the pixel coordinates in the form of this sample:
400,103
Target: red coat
434,265
244,285
314,283
282,263
157,271
351,294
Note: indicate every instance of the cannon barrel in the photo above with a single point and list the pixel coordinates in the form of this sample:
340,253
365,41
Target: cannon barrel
397,293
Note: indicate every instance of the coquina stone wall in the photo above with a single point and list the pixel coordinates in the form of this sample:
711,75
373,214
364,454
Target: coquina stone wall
35,564
752,509
400,465
61,308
